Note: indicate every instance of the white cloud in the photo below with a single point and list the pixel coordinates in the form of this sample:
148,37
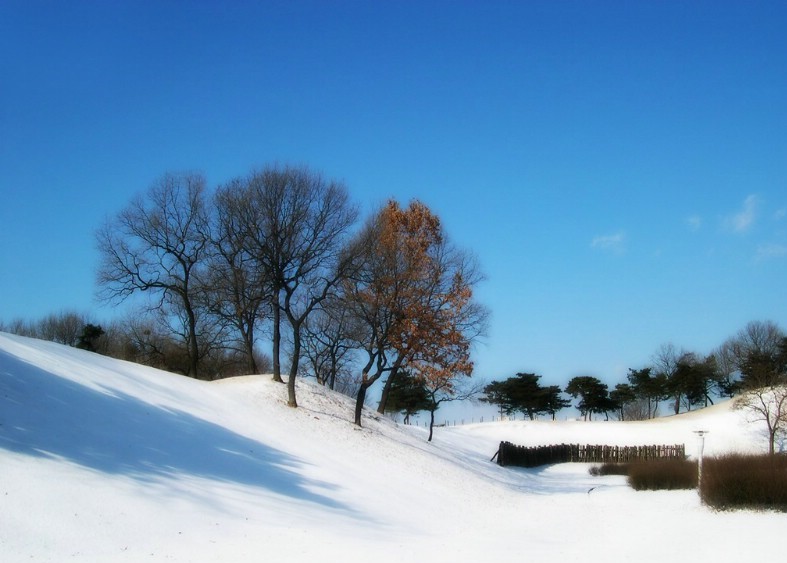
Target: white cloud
744,219
612,243
768,251
694,222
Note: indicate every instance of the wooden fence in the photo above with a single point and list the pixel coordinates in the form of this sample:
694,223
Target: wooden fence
520,456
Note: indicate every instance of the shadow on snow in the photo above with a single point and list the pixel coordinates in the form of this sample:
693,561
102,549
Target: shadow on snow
44,415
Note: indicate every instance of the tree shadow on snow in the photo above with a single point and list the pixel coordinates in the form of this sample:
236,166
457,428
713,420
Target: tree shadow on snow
44,415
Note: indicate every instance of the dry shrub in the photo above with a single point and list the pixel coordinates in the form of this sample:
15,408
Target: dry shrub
653,475
662,475
610,469
745,481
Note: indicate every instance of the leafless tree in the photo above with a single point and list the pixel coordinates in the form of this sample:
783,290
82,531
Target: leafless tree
328,343
19,326
63,328
158,244
666,360
758,339
301,225
764,382
768,405
236,288
727,369
637,409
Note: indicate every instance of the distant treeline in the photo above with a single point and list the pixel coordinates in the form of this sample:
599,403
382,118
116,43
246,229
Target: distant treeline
756,357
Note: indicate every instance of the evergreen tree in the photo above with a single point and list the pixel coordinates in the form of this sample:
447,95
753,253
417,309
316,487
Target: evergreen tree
88,339
648,387
407,395
551,401
622,395
594,395
523,393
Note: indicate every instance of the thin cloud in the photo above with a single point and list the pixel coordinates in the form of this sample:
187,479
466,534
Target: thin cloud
745,218
611,243
694,222
771,251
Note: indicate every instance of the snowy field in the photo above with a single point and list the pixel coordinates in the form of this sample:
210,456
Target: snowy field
102,460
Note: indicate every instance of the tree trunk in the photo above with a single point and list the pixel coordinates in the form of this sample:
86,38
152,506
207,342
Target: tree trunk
276,337
431,424
248,343
359,400
387,388
332,378
296,356
193,344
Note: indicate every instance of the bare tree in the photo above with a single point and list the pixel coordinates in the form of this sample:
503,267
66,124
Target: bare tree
63,328
145,337
637,409
301,225
768,405
21,327
758,339
726,384
665,364
441,390
236,287
157,244
764,395
328,342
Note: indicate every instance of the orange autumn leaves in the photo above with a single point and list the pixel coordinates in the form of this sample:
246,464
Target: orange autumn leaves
430,294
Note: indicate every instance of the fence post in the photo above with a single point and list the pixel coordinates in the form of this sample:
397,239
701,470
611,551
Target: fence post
701,435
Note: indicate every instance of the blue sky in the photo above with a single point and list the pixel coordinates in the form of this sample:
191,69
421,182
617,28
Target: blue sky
619,168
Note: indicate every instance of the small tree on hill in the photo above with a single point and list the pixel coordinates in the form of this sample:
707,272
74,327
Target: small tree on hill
446,389
523,393
88,340
593,393
649,388
408,396
496,393
623,396
526,394
765,395
552,401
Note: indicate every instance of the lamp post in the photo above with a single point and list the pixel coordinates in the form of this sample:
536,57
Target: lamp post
701,436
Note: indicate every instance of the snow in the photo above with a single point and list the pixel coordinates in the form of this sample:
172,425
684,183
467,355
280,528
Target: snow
103,460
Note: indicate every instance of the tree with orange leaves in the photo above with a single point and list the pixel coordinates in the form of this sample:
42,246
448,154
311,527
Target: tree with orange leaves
413,295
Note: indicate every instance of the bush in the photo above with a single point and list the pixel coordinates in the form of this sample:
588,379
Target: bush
663,475
653,475
745,481
610,469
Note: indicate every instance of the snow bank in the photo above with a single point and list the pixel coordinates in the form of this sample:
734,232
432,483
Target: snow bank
105,460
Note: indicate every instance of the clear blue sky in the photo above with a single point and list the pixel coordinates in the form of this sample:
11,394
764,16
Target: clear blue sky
619,168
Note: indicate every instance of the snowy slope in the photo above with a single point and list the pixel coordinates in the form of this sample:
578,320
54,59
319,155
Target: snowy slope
105,460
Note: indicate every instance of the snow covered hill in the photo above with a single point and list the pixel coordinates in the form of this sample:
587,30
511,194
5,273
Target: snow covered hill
103,460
